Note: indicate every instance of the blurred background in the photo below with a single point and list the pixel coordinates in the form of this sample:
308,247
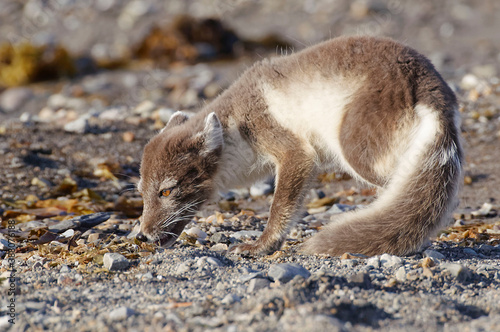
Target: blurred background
177,53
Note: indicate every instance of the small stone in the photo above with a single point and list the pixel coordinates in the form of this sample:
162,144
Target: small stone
427,272
373,262
13,99
261,189
486,249
250,276
340,208
115,261
40,183
147,276
128,136
38,265
68,233
145,109
390,260
183,268
214,262
428,262
391,282
93,237
257,283
4,322
469,81
230,299
219,238
78,277
435,255
219,247
460,272
26,118
348,255
197,233
485,210
57,101
64,280
4,244
114,113
286,272
64,269
349,262
211,90
469,251
78,126
121,313
360,279
459,223
164,114
401,274
246,234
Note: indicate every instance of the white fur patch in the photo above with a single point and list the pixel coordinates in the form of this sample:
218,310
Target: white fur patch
241,165
424,134
313,109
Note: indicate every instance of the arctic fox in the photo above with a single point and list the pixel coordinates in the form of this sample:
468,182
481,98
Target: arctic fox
370,107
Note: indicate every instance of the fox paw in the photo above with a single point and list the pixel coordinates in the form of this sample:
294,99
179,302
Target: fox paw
250,249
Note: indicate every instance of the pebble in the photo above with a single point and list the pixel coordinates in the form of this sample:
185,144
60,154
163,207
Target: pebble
287,271
230,299
256,284
349,262
64,280
4,323
219,238
4,243
339,208
115,261
145,108
483,211
460,272
360,279
14,98
114,113
435,255
214,262
250,276
183,268
469,251
64,269
120,314
78,126
390,260
401,274
219,247
246,234
261,189
373,262
92,238
197,233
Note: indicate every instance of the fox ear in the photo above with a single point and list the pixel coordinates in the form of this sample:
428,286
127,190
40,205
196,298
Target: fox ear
212,133
176,119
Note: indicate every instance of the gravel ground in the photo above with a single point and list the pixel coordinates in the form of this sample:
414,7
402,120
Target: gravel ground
72,147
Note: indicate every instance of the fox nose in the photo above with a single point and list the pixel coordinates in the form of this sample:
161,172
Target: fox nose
141,237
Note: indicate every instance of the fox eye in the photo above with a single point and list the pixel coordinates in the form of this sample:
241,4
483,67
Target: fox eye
165,192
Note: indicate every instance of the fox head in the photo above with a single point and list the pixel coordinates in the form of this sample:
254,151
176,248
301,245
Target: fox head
177,170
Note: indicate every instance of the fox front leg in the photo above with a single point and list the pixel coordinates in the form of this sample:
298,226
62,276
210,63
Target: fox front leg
293,176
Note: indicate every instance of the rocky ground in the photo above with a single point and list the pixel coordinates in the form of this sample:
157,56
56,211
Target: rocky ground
70,147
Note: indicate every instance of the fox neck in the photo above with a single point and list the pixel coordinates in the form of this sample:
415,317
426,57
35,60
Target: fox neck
240,164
